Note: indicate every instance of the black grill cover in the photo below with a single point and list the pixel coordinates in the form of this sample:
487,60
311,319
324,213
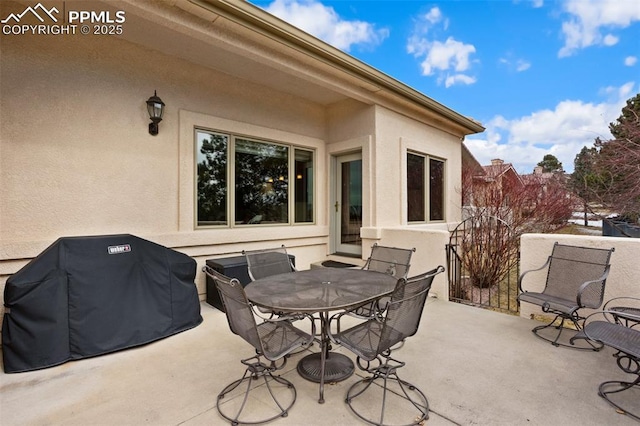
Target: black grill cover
86,296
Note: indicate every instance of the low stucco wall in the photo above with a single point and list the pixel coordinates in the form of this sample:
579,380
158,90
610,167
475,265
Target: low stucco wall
430,245
623,276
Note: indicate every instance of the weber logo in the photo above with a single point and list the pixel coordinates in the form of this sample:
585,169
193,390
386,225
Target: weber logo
123,248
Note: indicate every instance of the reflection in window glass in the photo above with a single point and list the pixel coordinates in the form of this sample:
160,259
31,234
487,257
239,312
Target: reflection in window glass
211,151
303,187
262,182
419,180
436,189
415,188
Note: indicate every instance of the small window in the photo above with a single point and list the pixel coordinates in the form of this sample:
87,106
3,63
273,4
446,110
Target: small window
415,188
303,186
436,189
425,188
212,155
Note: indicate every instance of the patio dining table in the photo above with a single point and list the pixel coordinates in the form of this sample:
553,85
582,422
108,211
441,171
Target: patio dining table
321,291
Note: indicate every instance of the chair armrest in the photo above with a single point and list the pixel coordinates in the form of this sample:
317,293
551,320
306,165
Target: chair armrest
626,308
260,314
521,277
334,317
588,284
626,301
294,317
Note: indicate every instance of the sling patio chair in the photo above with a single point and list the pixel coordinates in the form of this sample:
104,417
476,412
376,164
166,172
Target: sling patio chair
273,340
618,333
576,279
267,262
393,261
372,342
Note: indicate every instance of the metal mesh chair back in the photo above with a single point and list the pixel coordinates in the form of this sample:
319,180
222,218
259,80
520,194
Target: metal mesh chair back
570,267
389,260
401,319
239,314
272,340
264,263
405,309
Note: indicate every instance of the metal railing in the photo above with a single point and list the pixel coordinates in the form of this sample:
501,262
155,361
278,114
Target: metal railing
500,296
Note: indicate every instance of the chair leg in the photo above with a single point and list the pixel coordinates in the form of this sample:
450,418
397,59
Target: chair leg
237,409
618,386
555,341
402,396
628,365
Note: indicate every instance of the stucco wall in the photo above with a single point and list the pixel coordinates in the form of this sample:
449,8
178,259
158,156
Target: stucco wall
395,136
625,263
348,120
76,157
76,154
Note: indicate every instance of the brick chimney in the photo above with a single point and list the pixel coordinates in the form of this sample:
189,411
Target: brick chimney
537,170
497,162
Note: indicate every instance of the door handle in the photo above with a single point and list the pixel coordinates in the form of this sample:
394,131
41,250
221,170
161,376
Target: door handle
336,206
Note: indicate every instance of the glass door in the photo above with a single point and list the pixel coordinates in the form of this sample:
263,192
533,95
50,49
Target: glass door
348,204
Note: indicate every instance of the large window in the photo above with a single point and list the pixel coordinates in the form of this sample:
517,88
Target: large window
254,188
425,188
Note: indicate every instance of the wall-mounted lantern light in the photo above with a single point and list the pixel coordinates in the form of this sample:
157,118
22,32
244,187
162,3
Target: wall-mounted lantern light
155,107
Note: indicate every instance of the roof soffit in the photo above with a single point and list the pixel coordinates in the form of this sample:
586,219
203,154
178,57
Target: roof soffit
241,40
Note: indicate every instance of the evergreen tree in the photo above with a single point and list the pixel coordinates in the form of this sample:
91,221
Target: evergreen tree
551,164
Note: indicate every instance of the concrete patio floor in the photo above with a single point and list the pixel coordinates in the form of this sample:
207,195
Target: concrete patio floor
476,368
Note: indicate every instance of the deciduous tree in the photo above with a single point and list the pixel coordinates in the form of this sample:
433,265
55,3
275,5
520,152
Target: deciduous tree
609,173
500,213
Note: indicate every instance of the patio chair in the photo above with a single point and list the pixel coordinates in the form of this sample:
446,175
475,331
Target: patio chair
620,335
272,340
388,260
576,278
267,262
372,342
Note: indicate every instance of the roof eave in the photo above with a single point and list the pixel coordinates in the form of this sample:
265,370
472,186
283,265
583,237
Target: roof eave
250,16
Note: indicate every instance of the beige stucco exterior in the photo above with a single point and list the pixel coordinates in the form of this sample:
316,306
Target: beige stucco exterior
76,157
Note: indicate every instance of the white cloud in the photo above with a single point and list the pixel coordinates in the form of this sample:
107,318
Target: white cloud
630,61
452,80
561,131
434,15
517,65
522,65
588,18
323,22
451,54
448,60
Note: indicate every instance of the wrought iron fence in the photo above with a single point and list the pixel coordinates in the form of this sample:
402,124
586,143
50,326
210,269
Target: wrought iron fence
485,239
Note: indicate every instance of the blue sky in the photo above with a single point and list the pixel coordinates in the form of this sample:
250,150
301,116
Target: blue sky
542,76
